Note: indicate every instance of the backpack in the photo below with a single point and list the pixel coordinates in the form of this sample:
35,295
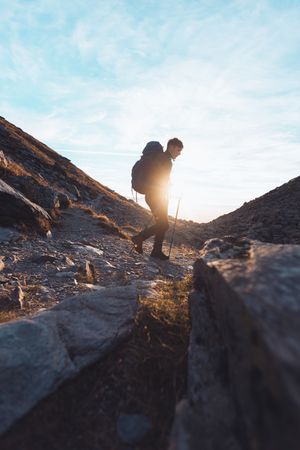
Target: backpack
142,170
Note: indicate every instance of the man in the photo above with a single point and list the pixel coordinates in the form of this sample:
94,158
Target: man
157,199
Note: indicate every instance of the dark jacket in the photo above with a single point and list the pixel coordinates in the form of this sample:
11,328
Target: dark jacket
160,172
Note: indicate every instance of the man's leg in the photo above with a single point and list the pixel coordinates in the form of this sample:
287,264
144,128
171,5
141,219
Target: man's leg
159,208
138,239
158,204
158,240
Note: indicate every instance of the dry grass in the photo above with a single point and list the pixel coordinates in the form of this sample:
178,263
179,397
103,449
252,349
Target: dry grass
7,316
13,169
131,229
103,220
30,304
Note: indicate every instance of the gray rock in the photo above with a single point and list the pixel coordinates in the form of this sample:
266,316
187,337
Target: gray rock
38,353
17,297
65,274
152,270
44,196
41,259
89,248
6,303
227,247
246,341
94,287
45,295
86,272
132,428
15,208
64,200
8,234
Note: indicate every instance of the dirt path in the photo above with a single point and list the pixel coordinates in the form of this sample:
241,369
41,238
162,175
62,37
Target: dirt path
49,270
146,375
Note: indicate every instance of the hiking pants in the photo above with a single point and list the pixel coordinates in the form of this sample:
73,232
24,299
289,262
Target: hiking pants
158,203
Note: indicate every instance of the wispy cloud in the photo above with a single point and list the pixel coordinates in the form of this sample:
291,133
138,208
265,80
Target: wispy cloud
101,79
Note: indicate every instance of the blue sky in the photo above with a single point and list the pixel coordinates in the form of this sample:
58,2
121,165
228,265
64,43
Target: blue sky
96,80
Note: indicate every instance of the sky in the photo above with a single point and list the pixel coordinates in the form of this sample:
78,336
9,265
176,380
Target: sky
97,80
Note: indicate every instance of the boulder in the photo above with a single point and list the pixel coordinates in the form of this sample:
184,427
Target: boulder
64,200
8,234
6,302
44,196
38,353
17,297
86,272
245,345
15,208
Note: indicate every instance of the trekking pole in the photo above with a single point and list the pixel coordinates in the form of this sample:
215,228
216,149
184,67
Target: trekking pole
174,226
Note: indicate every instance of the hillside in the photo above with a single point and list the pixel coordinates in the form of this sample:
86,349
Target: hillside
102,347
273,217
32,167
52,181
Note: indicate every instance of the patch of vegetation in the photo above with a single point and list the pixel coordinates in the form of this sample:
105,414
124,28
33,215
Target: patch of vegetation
103,220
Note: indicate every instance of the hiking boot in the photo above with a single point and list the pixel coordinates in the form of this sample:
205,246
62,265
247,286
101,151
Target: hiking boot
159,254
138,243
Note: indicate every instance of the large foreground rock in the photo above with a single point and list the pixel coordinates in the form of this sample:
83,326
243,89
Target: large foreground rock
37,354
245,344
15,208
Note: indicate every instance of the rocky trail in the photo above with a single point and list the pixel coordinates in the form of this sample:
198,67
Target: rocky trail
80,256
142,380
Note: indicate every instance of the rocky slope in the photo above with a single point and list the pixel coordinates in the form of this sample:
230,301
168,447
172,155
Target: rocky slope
273,217
47,178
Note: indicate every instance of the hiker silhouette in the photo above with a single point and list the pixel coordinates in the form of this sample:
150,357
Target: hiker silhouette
150,176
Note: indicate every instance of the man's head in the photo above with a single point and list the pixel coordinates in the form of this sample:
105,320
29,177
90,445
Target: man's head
174,147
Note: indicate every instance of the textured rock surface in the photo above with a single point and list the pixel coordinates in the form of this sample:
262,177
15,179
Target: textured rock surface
207,418
132,428
15,208
244,354
44,196
37,354
8,234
